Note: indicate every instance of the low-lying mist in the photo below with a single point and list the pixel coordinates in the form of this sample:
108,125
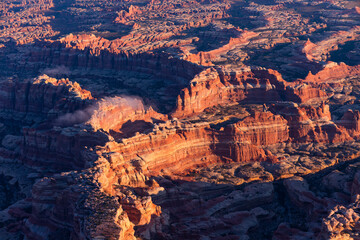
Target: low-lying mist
106,114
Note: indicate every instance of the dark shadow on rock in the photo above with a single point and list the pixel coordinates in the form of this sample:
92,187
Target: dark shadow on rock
243,18
81,20
155,77
130,128
197,208
296,67
348,53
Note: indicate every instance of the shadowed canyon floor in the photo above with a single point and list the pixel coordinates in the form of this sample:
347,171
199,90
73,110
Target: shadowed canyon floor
179,119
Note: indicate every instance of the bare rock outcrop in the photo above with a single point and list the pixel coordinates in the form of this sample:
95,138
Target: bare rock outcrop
182,119
41,98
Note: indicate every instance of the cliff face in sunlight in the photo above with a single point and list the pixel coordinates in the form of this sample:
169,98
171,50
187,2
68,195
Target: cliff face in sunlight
125,176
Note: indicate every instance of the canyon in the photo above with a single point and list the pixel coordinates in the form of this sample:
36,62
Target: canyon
173,119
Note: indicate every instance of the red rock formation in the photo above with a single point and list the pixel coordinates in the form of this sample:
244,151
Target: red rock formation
131,14
25,21
261,129
54,205
321,50
116,169
72,87
357,9
198,145
112,113
206,58
41,98
307,49
100,53
105,185
328,218
334,71
302,93
58,148
309,124
351,121
211,88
